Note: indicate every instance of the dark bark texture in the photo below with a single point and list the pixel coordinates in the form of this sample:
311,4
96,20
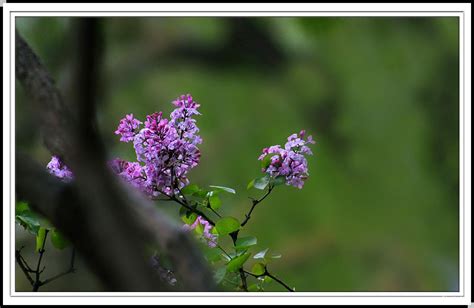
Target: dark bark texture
113,227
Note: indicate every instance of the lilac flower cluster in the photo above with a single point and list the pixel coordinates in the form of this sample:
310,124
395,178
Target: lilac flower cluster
57,168
127,128
289,161
210,238
166,149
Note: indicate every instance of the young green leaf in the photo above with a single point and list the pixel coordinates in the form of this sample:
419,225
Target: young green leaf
58,240
237,262
254,288
223,188
29,221
189,217
190,189
266,161
258,269
261,254
250,184
21,207
199,229
213,255
245,242
227,225
262,182
201,193
40,238
279,180
215,202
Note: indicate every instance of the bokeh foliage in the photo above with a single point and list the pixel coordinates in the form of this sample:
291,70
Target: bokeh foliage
380,210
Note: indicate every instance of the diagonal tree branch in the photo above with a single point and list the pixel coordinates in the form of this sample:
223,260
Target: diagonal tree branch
110,225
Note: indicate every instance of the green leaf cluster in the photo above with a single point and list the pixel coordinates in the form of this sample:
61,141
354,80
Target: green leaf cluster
38,226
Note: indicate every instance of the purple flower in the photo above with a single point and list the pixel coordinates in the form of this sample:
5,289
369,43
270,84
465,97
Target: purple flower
127,128
166,149
57,168
289,161
207,236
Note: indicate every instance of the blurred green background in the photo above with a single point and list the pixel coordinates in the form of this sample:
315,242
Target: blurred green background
380,96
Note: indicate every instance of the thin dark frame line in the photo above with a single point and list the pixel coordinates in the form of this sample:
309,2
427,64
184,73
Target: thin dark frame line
297,294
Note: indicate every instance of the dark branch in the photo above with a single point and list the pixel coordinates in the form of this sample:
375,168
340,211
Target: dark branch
71,269
107,222
280,282
41,251
266,273
24,266
254,204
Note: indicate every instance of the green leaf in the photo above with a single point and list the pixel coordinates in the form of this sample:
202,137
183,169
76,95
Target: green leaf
262,182
223,188
21,207
250,184
245,242
29,221
213,255
266,161
275,256
58,240
237,262
40,238
219,274
227,225
258,269
215,202
201,193
190,189
187,216
199,229
253,287
26,218
261,254
279,180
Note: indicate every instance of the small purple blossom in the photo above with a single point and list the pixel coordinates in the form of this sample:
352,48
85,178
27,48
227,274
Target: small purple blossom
57,168
127,128
289,161
210,238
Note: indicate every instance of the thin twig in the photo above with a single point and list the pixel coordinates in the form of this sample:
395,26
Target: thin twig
188,207
71,269
279,281
222,249
37,282
244,279
271,276
254,204
212,210
23,265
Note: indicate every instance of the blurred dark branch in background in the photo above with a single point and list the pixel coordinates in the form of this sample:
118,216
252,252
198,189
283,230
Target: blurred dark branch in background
109,224
249,43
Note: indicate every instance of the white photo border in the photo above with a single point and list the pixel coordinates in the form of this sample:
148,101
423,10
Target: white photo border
460,10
